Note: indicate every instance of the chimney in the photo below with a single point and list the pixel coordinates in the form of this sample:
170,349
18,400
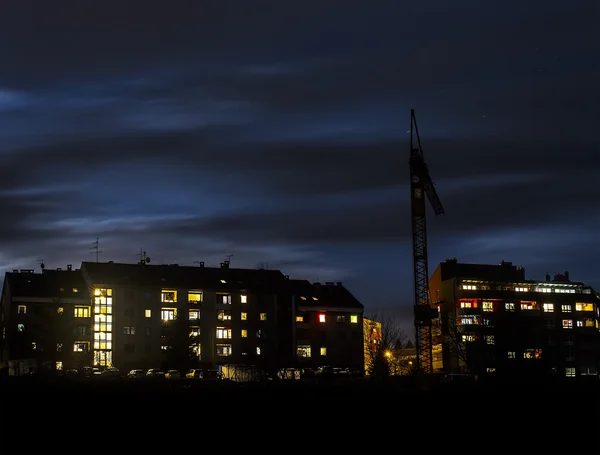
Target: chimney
567,275
69,267
201,263
547,276
225,265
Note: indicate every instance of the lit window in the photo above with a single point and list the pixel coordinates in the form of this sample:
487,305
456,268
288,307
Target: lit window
223,350
20,327
194,332
570,372
244,333
193,315
490,370
224,299
168,314
354,319
489,339
322,317
223,281
60,310
263,316
521,289
529,306
168,296
468,338
299,318
469,287
223,333
315,298
257,350
548,308
59,347
567,323
194,297
129,330
243,298
75,290
566,308
323,351
302,297
148,313
584,307
81,312
532,354
22,309
487,306
509,306
59,366
512,355
303,350
223,315
243,316
81,346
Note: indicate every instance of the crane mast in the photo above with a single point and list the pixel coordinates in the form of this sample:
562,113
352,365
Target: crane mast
421,185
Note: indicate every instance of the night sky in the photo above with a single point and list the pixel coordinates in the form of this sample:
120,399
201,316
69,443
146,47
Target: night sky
276,131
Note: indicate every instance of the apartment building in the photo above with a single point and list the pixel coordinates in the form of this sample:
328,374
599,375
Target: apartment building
327,326
493,321
45,321
169,316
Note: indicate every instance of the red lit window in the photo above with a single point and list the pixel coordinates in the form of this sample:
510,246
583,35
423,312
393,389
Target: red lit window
322,317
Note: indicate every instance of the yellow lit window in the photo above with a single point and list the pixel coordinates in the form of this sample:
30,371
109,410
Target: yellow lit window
302,297
194,297
243,299
60,310
22,309
354,319
303,350
81,312
148,313
584,307
75,290
244,333
323,351
548,307
322,318
223,333
223,350
100,292
81,346
263,316
168,314
299,318
193,315
168,296
244,316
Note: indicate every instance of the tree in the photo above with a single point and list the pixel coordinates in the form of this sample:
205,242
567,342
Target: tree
384,342
459,343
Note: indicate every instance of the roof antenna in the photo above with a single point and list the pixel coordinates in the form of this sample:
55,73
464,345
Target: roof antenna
229,256
42,265
96,249
144,259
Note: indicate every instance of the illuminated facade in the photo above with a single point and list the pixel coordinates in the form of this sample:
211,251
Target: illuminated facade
372,338
165,316
495,322
103,326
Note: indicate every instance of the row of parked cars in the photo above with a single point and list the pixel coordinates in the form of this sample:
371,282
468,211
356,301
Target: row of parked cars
194,373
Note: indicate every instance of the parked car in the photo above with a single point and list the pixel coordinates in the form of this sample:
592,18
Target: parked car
136,374
172,374
194,373
155,373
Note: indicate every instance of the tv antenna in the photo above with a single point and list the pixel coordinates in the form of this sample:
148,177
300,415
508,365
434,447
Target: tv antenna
42,265
96,249
199,263
144,259
228,257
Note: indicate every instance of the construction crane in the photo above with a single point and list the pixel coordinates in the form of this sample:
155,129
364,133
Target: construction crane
421,185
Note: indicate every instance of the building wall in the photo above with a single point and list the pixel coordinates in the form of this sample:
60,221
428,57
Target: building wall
333,336
513,332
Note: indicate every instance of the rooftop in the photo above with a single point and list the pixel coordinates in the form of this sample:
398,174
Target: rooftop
48,284
328,294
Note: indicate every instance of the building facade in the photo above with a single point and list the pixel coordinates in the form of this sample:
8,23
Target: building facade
493,321
167,316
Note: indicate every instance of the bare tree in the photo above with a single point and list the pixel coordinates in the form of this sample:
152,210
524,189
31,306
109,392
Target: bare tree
456,339
384,341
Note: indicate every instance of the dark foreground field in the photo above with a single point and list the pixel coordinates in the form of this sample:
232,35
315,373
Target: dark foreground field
298,417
